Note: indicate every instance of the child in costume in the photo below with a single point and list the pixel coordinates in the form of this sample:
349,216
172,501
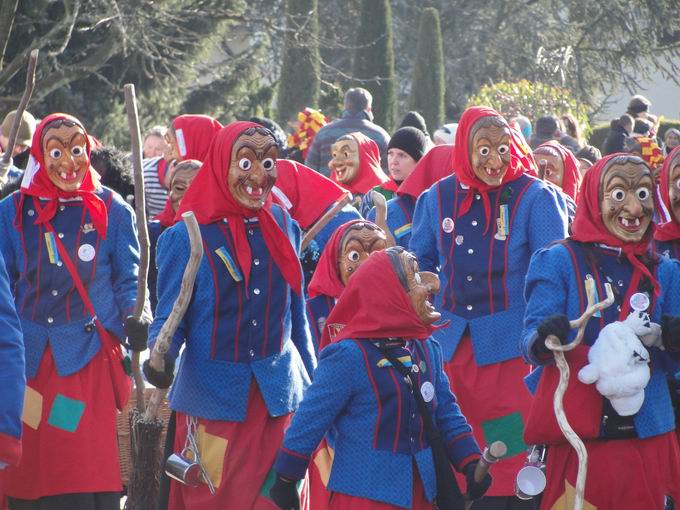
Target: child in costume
383,459
72,255
248,355
480,226
633,460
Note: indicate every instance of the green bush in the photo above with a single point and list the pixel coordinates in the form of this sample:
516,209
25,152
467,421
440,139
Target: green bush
531,99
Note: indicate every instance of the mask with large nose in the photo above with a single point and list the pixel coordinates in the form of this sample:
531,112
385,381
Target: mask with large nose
64,146
489,148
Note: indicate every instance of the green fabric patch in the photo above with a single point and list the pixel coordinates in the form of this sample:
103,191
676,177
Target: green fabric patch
66,413
269,481
509,429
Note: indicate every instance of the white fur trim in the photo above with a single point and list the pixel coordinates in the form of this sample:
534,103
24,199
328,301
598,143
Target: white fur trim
31,169
179,134
282,196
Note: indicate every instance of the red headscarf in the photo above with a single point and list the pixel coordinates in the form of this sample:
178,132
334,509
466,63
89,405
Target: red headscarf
37,183
433,166
571,179
326,280
211,200
306,193
369,174
194,134
588,226
520,160
669,231
374,305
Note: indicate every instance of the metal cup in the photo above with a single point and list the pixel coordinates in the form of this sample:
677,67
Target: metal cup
530,482
183,469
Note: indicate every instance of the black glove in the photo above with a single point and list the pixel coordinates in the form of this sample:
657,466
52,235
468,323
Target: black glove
670,335
284,493
475,490
161,380
557,325
137,333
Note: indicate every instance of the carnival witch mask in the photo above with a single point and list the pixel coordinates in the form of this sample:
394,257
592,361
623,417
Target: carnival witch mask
345,159
64,145
358,242
182,176
490,150
419,285
550,165
626,198
674,186
252,170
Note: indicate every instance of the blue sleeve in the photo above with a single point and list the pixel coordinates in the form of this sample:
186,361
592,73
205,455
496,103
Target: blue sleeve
461,445
7,214
424,231
548,219
669,274
545,293
125,256
172,255
370,216
313,156
12,374
324,400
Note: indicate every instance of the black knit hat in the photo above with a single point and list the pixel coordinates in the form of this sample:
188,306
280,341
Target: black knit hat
416,120
410,140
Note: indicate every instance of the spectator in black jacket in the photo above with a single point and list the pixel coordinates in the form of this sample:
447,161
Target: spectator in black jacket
620,129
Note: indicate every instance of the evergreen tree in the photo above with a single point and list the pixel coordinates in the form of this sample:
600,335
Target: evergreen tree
374,59
427,87
300,74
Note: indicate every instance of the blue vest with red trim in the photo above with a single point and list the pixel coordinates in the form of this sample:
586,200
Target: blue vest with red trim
670,249
399,218
482,268
318,309
46,299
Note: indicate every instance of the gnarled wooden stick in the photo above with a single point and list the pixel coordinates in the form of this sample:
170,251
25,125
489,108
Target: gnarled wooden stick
164,339
142,230
323,221
5,163
380,205
553,343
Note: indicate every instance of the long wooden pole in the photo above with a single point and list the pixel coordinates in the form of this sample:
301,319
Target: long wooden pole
323,221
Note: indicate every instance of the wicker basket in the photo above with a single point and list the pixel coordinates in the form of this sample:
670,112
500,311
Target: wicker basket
123,425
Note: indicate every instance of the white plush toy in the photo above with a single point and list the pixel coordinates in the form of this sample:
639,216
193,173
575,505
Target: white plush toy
619,362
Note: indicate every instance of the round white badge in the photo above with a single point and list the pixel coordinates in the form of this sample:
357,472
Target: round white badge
639,301
86,252
447,225
427,391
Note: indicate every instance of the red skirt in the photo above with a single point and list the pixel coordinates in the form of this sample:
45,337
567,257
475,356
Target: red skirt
69,437
626,474
496,403
238,457
319,473
340,501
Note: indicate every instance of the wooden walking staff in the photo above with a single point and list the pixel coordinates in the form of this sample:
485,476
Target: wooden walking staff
142,230
491,455
553,343
6,161
324,220
380,205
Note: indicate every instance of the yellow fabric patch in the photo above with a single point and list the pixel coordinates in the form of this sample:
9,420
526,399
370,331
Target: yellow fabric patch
213,450
566,500
324,462
33,403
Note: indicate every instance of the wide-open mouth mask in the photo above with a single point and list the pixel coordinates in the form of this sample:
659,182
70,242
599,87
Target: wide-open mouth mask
252,170
489,149
419,285
626,197
64,146
357,243
550,165
674,186
345,160
182,175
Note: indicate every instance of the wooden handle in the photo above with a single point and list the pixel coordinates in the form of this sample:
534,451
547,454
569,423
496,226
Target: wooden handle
380,205
490,456
323,221
14,129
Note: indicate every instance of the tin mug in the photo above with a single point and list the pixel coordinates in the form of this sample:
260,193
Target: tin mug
183,469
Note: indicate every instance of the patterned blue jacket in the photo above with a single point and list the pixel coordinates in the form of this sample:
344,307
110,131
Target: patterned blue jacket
46,299
556,284
400,211
483,273
233,334
379,434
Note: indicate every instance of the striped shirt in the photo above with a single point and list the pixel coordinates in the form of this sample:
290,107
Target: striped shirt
156,195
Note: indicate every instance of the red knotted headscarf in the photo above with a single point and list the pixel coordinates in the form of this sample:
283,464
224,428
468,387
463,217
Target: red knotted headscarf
374,305
369,174
194,134
520,158
211,200
571,178
37,183
669,231
434,165
307,192
588,226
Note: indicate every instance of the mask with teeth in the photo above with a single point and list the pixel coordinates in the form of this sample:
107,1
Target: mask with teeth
550,165
345,160
358,242
490,150
674,186
252,170
64,145
182,175
626,198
